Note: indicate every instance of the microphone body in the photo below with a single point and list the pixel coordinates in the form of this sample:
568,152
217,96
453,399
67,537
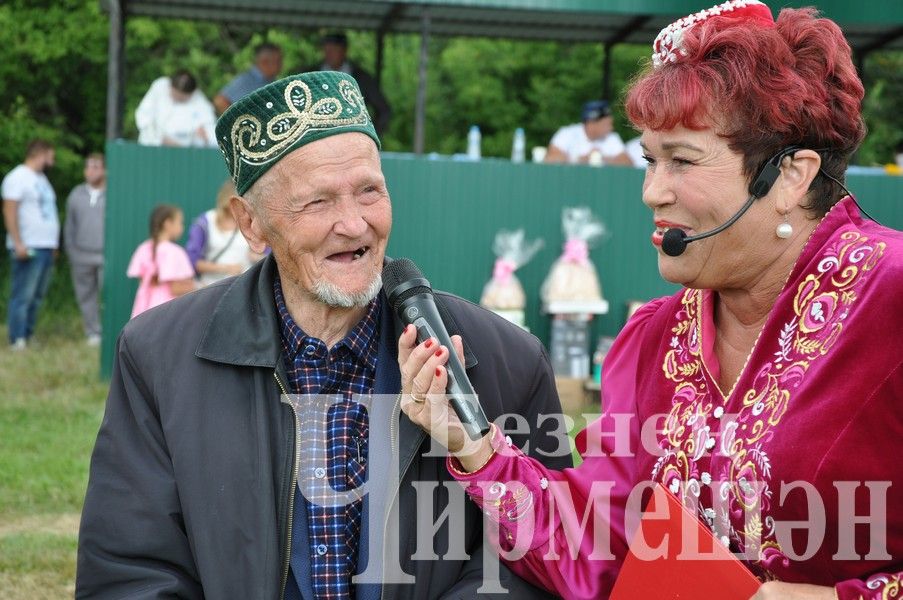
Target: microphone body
675,241
411,296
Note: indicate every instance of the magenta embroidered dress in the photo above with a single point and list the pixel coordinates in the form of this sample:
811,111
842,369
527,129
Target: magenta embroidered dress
814,423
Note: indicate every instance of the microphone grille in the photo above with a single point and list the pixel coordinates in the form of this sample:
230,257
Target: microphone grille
399,271
673,243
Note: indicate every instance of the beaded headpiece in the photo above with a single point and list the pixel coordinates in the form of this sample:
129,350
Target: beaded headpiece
668,48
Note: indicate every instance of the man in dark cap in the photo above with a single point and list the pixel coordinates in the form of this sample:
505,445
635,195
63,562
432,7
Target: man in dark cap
335,58
252,445
592,141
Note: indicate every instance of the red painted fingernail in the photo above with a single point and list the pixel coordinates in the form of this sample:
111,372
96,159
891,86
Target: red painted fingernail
428,343
439,352
408,328
438,371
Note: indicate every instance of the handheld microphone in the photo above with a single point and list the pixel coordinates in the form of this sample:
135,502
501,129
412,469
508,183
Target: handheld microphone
675,241
411,296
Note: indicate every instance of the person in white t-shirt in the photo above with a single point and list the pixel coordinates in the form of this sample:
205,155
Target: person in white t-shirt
32,238
593,141
174,112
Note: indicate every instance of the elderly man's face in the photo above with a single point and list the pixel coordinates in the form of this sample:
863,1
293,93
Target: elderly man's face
325,212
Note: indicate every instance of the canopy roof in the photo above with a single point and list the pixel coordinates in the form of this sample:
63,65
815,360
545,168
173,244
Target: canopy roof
867,25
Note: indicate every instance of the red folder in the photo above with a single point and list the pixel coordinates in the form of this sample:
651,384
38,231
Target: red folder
672,576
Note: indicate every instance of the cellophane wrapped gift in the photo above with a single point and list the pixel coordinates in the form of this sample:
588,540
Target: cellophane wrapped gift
504,291
573,277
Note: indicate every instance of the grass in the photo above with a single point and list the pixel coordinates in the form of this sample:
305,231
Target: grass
51,405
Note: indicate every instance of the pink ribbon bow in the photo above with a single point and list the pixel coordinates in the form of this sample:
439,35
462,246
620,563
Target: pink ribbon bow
503,270
576,251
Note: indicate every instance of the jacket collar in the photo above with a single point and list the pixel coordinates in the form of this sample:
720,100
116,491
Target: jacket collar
244,327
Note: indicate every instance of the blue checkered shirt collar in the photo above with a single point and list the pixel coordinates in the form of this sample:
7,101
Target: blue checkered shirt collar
360,341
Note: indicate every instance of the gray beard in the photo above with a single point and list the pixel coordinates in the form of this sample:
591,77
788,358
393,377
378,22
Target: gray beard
330,294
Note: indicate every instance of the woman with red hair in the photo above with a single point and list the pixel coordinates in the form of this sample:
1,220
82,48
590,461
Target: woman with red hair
767,391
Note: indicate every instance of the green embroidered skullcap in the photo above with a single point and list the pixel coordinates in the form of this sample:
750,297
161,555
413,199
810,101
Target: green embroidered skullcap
261,128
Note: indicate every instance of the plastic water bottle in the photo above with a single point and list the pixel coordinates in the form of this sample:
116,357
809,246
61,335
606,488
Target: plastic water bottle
519,147
473,143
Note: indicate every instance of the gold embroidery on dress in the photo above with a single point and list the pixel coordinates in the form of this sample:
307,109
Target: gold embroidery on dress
822,303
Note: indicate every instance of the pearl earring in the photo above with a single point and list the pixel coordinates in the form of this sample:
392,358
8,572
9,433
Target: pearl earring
785,229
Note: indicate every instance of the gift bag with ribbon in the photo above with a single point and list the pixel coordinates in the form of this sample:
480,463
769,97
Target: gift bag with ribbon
573,277
504,290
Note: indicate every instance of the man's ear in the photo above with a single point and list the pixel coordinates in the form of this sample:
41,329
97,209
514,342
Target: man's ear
249,223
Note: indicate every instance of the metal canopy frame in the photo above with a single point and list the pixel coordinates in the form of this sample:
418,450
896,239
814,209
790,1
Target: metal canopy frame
867,26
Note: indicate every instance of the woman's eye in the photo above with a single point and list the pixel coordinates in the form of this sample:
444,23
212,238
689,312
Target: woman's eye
649,160
681,161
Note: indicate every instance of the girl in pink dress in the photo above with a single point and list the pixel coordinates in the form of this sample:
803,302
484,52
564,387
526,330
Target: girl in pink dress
160,263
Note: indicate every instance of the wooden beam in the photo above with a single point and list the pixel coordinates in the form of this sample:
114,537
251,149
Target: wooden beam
115,70
420,108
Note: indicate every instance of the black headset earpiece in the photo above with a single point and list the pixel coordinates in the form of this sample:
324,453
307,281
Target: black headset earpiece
769,172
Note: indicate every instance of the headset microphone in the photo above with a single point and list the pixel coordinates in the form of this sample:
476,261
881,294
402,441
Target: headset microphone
674,241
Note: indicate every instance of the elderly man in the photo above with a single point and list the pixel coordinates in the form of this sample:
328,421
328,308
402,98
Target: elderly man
224,447
593,141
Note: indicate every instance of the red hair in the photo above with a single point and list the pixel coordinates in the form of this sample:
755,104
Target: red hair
762,88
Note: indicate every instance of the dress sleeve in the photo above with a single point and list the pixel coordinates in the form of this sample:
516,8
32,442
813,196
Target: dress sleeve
565,530
876,587
197,240
173,263
139,262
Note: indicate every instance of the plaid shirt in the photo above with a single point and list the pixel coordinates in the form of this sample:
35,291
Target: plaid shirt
348,369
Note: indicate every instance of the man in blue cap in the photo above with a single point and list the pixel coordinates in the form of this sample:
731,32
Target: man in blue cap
593,141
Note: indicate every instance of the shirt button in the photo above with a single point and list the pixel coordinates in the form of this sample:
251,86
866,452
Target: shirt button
319,472
321,549
718,412
309,350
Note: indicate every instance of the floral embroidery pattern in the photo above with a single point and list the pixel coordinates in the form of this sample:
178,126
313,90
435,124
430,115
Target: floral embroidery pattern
885,586
823,300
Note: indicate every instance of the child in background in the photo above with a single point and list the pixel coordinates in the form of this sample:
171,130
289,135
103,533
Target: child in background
161,264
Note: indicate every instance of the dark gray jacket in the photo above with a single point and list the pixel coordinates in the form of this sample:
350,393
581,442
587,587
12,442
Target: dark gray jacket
192,475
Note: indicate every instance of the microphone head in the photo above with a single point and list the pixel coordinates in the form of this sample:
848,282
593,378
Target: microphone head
403,279
673,242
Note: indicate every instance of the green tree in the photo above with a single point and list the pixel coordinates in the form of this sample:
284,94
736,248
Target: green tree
883,108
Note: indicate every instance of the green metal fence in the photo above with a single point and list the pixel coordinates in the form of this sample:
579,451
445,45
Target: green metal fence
445,215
